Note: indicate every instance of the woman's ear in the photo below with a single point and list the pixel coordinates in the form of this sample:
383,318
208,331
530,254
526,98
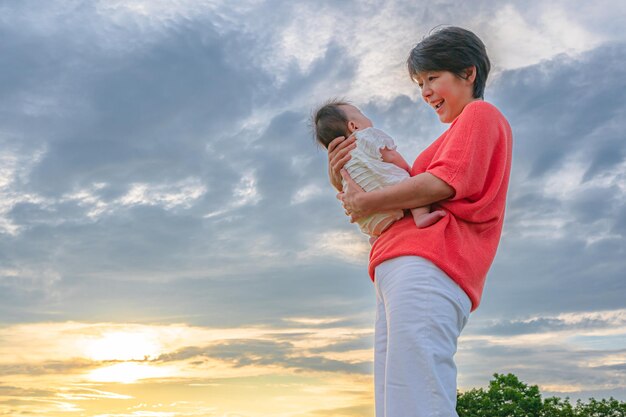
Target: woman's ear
352,127
470,73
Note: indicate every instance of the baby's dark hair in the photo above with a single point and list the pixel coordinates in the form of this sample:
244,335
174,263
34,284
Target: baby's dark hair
451,49
329,122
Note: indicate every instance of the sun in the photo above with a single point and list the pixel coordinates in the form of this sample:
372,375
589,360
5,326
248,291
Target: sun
132,351
123,346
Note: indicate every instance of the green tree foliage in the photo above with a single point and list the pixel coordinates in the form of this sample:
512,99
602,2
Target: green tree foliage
602,408
557,407
507,396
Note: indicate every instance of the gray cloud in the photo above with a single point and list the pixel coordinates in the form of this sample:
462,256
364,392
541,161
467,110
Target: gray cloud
541,325
149,113
553,108
8,390
189,256
363,342
47,368
242,353
266,297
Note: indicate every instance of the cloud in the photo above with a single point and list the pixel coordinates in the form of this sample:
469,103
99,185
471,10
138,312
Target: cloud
558,369
606,321
539,32
243,353
8,390
562,241
269,363
78,348
46,368
570,354
180,158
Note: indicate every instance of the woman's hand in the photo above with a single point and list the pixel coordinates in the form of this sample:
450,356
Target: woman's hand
338,154
352,198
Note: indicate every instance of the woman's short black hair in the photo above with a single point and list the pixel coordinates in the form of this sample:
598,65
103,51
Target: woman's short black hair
330,121
451,49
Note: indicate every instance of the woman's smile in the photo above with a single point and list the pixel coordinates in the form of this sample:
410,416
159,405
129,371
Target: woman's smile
446,93
438,107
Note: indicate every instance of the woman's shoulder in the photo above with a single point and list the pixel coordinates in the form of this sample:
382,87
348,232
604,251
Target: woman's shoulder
480,108
479,113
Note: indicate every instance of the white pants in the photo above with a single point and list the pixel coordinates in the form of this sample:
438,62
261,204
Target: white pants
419,317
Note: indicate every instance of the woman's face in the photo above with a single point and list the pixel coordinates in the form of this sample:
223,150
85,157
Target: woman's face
446,93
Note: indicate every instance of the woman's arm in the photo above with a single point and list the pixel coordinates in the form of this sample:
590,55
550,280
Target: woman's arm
420,190
338,154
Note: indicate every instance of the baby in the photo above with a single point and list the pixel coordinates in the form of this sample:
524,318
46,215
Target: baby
374,163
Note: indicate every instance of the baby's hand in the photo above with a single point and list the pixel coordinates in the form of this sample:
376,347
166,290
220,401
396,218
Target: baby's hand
423,220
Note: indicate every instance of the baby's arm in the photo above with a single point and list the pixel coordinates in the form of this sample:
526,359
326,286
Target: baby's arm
394,157
421,215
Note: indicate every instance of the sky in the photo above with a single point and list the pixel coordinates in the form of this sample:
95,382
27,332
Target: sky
169,241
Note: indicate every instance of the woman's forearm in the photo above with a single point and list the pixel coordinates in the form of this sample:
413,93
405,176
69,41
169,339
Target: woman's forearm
420,190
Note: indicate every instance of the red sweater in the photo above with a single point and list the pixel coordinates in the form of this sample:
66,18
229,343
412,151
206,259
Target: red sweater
474,157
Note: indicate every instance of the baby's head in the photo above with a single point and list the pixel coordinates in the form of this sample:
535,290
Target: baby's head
337,118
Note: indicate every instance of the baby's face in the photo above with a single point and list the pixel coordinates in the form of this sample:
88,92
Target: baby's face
355,117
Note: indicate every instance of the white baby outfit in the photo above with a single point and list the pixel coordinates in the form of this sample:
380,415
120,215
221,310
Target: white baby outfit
367,168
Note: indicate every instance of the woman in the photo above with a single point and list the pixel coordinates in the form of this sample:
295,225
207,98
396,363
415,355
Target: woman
428,280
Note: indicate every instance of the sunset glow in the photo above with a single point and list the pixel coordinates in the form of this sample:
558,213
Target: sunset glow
137,369
142,370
